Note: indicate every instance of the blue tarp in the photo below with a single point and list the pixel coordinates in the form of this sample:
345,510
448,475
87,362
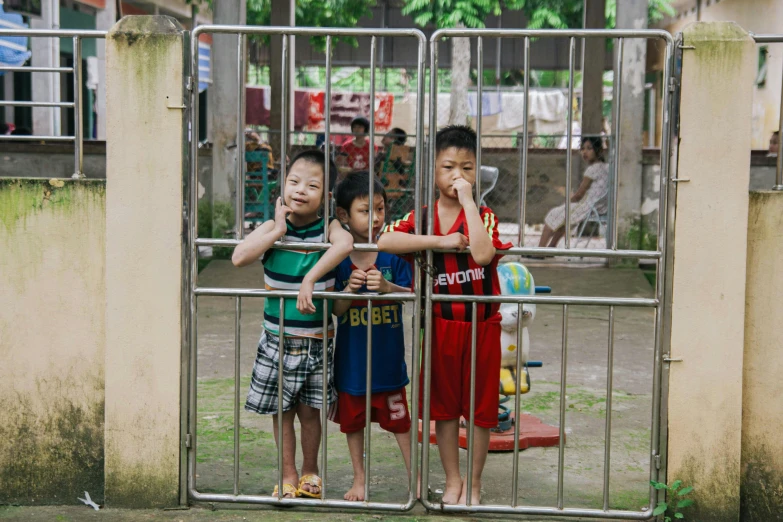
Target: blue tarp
13,49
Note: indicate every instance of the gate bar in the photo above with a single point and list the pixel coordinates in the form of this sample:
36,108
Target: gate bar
561,442
78,114
324,394
280,346
237,352
514,251
327,137
517,404
472,419
569,138
618,76
608,428
479,110
523,148
241,95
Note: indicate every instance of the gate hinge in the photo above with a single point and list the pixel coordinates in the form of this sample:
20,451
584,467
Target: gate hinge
189,84
672,84
187,440
657,461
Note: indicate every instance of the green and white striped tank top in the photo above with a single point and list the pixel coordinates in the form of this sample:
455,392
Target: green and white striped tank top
285,270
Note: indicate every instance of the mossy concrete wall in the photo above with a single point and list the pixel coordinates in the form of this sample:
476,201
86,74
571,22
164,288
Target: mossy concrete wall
708,307
762,407
144,192
52,334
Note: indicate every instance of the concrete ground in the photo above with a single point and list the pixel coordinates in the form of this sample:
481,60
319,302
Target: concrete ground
585,397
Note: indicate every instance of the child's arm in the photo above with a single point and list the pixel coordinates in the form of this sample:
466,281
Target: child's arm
261,239
481,247
342,246
402,243
355,282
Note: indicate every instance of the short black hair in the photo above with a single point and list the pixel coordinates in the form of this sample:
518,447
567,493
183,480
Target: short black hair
356,185
317,157
361,120
398,134
458,136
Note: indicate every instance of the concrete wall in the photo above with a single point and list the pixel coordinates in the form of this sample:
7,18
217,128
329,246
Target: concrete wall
52,328
762,409
760,17
144,261
708,300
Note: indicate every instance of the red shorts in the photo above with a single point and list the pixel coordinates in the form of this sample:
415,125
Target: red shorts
450,397
389,409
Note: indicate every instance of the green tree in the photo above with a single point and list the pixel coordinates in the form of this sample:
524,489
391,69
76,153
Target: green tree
541,14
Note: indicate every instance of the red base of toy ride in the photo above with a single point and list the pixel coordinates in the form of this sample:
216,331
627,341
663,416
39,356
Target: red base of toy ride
532,433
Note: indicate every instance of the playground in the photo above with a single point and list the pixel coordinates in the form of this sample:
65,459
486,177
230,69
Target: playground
585,409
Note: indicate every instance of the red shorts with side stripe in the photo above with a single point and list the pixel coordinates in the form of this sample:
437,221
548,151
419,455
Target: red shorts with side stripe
450,397
389,409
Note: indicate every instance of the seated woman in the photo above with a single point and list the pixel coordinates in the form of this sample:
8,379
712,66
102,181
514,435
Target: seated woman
591,192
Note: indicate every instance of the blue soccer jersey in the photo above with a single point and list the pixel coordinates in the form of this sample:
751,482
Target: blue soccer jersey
389,371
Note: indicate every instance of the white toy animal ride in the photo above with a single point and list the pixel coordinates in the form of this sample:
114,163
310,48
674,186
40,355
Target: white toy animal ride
515,279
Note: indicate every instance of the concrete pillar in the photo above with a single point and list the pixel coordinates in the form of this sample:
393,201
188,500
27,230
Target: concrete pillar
105,18
762,409
710,243
631,14
41,48
593,60
144,77
223,102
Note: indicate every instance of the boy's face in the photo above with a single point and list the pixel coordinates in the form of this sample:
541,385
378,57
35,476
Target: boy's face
358,130
453,164
303,191
358,217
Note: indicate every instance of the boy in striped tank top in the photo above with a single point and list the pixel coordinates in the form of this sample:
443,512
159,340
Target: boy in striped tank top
297,220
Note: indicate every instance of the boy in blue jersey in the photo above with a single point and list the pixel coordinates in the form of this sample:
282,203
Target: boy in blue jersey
302,343
369,272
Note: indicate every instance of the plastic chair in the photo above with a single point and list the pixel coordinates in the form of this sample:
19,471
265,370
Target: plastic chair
593,216
489,178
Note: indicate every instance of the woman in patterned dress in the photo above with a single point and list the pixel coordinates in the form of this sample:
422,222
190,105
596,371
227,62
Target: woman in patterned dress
591,192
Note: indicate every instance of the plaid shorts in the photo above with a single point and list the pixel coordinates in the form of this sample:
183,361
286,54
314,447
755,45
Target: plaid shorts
303,374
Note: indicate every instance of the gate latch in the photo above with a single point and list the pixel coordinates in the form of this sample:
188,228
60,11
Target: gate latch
668,359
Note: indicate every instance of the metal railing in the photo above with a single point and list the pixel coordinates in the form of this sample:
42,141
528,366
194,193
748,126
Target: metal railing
57,104
658,255
775,38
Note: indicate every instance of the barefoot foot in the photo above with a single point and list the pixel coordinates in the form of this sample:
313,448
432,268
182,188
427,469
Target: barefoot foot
475,493
452,492
356,493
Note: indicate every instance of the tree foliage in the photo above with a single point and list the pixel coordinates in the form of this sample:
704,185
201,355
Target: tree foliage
310,13
540,14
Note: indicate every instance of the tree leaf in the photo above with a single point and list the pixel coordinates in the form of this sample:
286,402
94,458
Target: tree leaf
684,503
660,509
658,485
679,515
684,491
677,484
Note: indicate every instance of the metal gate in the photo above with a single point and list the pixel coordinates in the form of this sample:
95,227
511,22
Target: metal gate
424,195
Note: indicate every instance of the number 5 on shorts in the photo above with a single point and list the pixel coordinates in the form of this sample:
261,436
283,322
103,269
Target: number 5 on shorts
396,406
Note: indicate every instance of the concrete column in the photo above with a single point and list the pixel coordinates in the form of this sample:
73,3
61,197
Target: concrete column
223,102
762,409
710,243
631,14
144,77
43,120
103,21
593,60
